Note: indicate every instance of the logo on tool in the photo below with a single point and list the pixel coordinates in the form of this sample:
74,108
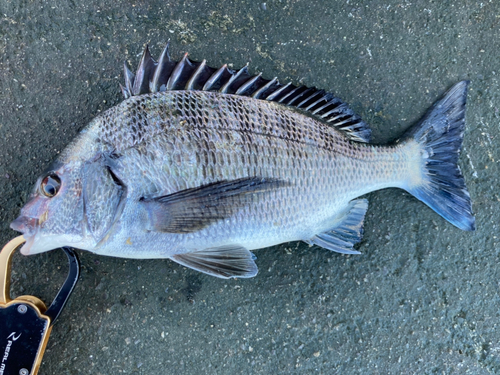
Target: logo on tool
11,338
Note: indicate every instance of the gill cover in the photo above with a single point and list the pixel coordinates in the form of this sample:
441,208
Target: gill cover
103,198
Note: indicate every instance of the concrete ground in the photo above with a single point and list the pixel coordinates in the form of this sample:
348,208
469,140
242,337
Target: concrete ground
423,298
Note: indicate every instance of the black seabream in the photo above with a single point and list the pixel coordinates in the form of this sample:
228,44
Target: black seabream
202,165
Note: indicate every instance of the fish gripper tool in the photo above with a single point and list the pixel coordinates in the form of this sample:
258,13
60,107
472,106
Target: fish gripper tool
26,322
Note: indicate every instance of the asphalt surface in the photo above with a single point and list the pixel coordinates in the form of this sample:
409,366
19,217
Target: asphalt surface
423,298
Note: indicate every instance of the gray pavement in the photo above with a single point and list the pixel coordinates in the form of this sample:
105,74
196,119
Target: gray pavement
424,296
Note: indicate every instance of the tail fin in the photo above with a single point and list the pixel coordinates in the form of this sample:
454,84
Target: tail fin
441,132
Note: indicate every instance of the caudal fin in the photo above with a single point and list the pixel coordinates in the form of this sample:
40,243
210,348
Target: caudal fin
441,132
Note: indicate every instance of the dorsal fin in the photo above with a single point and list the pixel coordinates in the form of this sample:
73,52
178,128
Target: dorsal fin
185,74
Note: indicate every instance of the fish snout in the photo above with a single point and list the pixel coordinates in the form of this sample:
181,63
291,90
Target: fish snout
24,224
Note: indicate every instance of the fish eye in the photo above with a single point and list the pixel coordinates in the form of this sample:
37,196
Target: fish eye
50,185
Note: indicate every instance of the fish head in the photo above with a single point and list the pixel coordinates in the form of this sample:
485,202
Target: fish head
53,215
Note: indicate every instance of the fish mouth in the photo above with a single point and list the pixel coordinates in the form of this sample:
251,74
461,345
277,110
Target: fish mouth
27,226
38,241
24,225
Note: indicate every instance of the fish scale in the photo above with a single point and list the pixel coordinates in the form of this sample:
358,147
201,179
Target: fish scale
202,165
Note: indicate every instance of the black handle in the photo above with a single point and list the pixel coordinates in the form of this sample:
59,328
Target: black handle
62,297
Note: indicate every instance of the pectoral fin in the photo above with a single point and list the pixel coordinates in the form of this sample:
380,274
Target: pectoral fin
193,209
223,262
347,232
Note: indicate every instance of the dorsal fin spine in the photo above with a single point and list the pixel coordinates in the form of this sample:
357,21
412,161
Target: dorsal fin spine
129,78
164,69
317,110
196,74
146,66
247,84
172,80
334,118
214,77
288,95
268,85
124,91
310,98
164,59
278,92
328,113
313,104
234,77
305,92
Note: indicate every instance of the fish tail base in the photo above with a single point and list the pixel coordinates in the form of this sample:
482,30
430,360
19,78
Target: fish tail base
440,134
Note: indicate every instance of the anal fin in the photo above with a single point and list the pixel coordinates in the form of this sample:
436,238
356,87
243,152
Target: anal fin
347,232
223,262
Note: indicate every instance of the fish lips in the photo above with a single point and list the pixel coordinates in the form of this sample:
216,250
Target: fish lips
27,226
24,224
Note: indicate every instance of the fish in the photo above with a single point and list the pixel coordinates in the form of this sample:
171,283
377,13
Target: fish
204,165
